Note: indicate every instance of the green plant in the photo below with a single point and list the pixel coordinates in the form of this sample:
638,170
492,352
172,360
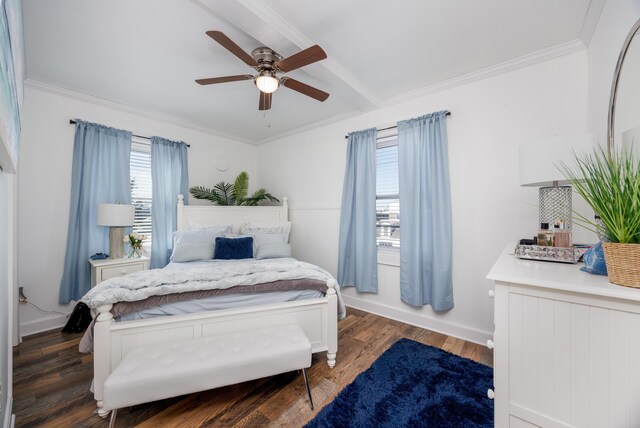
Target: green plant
237,193
611,186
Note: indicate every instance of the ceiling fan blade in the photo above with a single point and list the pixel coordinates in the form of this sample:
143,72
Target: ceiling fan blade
265,101
229,45
224,79
304,89
302,58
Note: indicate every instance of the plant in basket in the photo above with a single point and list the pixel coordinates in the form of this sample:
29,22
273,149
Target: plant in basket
611,186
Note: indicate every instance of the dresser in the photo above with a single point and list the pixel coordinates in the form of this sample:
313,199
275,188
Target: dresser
566,347
110,268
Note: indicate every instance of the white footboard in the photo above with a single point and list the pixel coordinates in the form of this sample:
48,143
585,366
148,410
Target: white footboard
318,318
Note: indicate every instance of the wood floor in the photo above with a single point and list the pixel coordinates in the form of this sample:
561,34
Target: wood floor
52,379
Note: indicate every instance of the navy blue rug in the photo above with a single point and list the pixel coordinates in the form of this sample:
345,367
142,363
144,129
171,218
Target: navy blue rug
414,385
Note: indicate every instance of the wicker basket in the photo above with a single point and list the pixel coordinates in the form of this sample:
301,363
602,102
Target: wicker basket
623,263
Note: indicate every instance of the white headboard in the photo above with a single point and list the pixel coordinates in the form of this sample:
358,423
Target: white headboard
196,216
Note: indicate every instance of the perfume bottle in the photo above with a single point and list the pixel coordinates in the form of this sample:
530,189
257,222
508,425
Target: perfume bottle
561,235
545,235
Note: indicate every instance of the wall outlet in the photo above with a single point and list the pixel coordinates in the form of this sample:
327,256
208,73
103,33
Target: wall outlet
21,297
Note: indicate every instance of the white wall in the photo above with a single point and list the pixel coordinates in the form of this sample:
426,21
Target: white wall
490,119
616,19
45,183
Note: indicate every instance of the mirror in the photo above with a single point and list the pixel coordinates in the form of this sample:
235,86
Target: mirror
624,104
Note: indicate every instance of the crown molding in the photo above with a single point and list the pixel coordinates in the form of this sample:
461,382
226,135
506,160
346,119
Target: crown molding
542,55
591,20
567,48
150,114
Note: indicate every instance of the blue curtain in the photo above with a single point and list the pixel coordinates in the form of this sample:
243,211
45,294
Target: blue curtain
100,174
169,175
425,212
357,250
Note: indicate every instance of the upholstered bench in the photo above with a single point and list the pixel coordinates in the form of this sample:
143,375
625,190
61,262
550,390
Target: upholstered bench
156,372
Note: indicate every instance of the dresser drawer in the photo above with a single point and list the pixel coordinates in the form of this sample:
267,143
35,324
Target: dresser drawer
114,271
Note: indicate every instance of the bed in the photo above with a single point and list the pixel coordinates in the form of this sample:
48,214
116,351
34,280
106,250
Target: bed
317,316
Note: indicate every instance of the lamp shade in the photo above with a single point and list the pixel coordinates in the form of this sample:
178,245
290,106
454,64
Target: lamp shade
538,160
115,215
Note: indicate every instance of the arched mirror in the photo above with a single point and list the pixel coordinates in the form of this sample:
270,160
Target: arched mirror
624,104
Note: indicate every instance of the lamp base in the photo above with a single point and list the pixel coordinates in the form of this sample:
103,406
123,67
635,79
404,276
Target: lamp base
555,204
116,242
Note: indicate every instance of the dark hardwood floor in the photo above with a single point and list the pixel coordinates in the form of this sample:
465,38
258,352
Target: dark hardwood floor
52,380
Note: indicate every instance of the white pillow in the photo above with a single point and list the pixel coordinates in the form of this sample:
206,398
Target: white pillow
260,239
283,227
196,244
273,251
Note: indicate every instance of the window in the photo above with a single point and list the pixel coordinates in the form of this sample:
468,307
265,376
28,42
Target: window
387,194
140,164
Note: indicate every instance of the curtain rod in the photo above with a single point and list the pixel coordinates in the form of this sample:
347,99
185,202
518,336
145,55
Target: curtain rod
395,126
73,122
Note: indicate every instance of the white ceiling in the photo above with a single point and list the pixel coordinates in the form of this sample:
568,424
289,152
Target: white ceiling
147,53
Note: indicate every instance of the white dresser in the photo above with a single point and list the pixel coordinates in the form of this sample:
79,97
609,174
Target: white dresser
567,347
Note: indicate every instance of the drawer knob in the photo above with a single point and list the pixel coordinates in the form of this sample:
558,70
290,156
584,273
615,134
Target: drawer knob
491,394
490,344
124,272
492,293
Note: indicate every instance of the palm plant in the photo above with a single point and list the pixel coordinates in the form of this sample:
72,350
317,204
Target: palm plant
611,186
224,193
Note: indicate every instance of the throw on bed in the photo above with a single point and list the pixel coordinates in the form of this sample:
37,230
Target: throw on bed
214,274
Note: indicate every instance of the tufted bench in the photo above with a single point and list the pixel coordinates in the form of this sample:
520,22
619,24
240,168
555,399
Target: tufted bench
159,371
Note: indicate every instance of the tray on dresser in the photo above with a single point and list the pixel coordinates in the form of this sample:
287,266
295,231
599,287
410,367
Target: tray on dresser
550,254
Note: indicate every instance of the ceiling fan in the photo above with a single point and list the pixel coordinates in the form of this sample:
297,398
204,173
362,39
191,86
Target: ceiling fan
268,63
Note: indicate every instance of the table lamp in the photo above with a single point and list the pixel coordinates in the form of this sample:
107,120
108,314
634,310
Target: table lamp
538,168
116,217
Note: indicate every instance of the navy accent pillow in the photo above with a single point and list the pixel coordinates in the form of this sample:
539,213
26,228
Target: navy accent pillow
233,248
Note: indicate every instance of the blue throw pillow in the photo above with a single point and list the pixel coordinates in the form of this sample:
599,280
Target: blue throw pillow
594,260
233,248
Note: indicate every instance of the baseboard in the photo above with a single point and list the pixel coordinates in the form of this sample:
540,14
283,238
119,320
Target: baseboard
9,419
28,328
450,329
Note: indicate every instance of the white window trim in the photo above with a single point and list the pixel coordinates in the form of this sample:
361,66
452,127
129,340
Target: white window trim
388,257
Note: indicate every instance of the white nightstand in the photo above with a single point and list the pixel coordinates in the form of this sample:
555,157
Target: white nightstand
111,268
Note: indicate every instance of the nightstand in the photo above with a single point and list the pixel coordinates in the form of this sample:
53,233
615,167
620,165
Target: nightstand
110,268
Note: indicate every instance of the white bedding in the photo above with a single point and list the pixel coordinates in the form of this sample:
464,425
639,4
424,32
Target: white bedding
216,303
204,275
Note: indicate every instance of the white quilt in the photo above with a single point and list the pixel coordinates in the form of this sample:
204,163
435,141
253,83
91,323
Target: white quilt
213,274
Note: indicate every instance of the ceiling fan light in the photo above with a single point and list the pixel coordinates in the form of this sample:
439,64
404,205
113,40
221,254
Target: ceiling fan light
267,83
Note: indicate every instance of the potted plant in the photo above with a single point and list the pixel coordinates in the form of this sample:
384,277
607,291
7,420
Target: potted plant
610,183
232,194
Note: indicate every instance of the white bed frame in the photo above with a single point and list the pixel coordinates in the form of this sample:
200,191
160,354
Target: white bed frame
318,317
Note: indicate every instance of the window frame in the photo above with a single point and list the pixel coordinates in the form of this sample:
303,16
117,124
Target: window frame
142,146
387,254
